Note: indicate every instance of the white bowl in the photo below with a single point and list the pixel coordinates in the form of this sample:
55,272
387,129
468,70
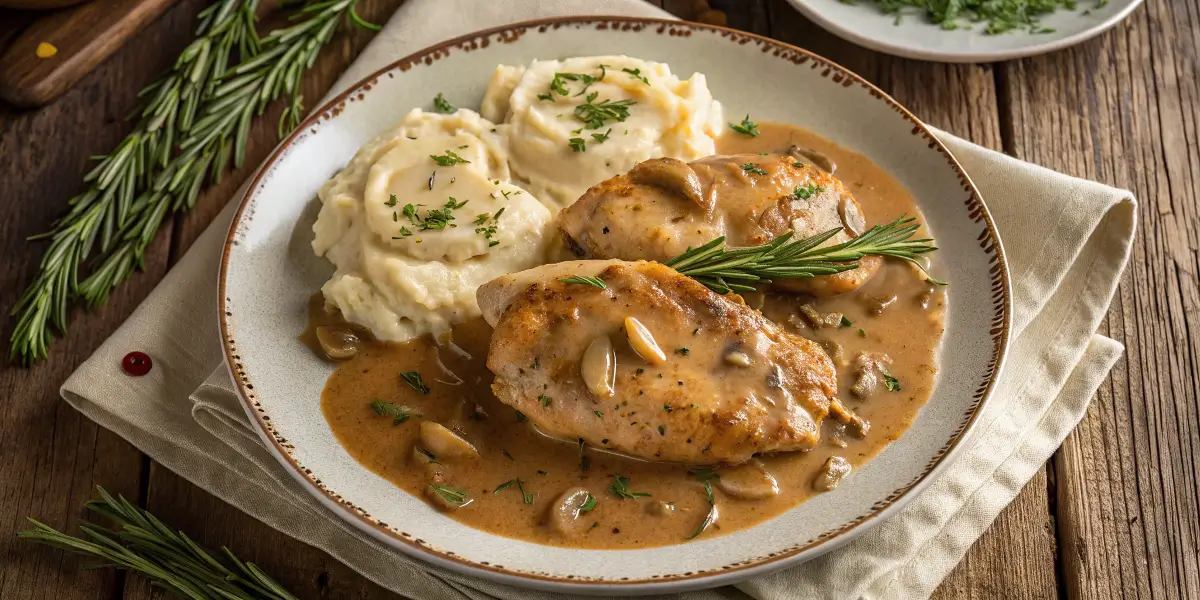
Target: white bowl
915,37
268,271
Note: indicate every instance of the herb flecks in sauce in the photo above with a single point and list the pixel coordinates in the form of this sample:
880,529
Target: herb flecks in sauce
620,487
526,497
413,379
398,412
753,168
376,444
747,127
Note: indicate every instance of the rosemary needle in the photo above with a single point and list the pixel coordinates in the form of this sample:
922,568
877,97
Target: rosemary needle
194,123
736,270
141,543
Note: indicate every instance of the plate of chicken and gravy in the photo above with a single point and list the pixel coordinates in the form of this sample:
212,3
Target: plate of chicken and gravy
610,305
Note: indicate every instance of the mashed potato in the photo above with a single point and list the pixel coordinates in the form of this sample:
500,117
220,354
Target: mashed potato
421,217
576,122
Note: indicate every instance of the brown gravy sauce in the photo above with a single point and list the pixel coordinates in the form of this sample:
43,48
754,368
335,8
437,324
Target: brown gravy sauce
460,398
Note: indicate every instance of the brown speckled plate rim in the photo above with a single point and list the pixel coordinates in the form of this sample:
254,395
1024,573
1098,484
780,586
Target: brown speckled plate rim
989,240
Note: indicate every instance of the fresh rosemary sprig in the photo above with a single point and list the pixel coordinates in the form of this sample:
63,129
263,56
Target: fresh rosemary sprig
195,121
737,270
170,559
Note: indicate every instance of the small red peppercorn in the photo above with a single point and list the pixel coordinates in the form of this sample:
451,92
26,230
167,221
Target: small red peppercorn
137,364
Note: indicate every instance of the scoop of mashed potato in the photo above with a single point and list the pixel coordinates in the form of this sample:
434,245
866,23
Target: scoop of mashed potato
421,217
573,123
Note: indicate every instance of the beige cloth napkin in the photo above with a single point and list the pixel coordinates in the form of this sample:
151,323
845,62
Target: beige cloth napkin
1067,241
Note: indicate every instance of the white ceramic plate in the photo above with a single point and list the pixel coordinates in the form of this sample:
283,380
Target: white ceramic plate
268,271
914,37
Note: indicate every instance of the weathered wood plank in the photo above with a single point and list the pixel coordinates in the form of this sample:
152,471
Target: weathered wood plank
1122,109
1016,556
304,570
52,456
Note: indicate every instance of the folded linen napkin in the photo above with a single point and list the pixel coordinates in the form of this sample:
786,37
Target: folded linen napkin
186,415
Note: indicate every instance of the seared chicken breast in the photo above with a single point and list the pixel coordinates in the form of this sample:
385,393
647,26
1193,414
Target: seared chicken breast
663,206
649,363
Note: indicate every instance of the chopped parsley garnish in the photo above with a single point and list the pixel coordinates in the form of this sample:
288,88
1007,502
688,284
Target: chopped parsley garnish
682,351
391,201
806,191
595,282
577,144
662,430
637,74
488,225
798,165
891,383
558,85
620,487
747,127
589,504
546,96
434,219
601,137
441,105
521,418
845,322
753,168
595,114
397,412
449,159
862,333
507,455
527,497
451,494
668,407
413,379
598,413
545,400
542,473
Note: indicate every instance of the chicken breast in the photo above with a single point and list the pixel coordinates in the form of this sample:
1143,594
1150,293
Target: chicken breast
581,363
663,206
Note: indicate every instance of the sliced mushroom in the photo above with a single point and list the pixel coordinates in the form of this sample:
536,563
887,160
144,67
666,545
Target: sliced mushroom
599,367
672,175
852,217
877,303
337,342
831,474
818,159
868,368
833,349
565,512
444,443
749,481
642,342
661,508
925,298
820,320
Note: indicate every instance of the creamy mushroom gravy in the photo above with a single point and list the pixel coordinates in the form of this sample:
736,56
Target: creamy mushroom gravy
907,330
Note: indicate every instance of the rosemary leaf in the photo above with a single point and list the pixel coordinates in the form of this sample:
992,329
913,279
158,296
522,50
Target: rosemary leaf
194,124
140,543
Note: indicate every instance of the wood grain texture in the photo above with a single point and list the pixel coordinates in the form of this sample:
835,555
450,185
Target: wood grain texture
1124,109
85,36
304,570
51,455
1016,557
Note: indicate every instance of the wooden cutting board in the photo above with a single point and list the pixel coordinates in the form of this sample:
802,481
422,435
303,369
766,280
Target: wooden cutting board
82,36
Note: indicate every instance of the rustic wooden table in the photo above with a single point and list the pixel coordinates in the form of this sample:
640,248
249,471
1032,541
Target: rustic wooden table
1116,513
